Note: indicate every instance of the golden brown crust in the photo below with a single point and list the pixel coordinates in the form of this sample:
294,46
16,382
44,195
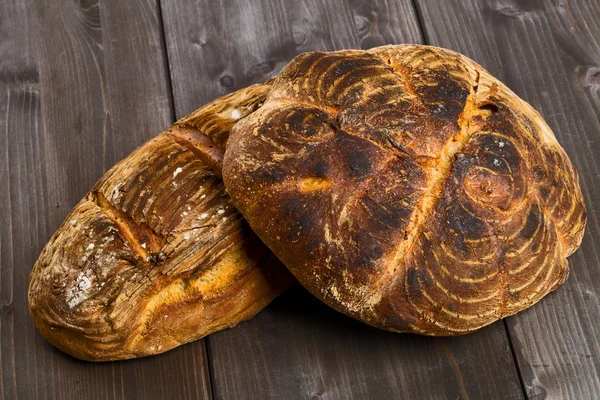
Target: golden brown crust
153,257
407,187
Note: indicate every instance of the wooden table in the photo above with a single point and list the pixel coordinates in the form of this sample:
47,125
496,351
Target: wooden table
85,82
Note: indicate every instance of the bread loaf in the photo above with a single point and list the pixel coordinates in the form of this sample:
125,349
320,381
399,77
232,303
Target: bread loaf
407,187
155,255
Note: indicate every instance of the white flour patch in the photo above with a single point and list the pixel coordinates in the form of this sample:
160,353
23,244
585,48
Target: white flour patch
177,171
79,291
115,194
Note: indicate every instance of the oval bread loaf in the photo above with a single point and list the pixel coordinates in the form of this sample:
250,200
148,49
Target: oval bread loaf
155,255
408,188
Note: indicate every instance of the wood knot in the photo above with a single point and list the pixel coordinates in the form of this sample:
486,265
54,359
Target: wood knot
514,9
592,77
227,81
6,307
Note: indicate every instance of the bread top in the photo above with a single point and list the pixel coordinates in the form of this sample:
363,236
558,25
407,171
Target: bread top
154,256
407,187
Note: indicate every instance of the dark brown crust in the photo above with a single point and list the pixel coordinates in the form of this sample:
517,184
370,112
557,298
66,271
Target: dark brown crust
153,257
408,188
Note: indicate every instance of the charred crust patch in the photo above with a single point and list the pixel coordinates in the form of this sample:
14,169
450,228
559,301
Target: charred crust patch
447,98
354,152
292,207
463,223
531,223
368,252
300,217
267,175
413,284
389,215
321,169
359,164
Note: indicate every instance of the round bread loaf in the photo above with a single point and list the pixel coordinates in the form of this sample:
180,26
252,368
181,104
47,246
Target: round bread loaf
407,187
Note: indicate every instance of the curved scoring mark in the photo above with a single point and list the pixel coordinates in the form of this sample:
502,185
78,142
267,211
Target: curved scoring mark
464,224
548,259
480,316
492,294
414,291
456,289
532,223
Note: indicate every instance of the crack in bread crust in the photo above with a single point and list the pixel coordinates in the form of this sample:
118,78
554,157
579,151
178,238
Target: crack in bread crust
142,239
201,145
441,172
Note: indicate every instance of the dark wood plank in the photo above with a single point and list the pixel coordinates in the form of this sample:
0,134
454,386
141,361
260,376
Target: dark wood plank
298,348
81,85
548,52
215,47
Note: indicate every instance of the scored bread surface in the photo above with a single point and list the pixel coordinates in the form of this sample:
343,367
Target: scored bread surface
407,187
153,257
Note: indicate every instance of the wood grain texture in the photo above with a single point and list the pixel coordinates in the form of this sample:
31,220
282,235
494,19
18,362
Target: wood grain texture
548,52
81,84
298,348
215,47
